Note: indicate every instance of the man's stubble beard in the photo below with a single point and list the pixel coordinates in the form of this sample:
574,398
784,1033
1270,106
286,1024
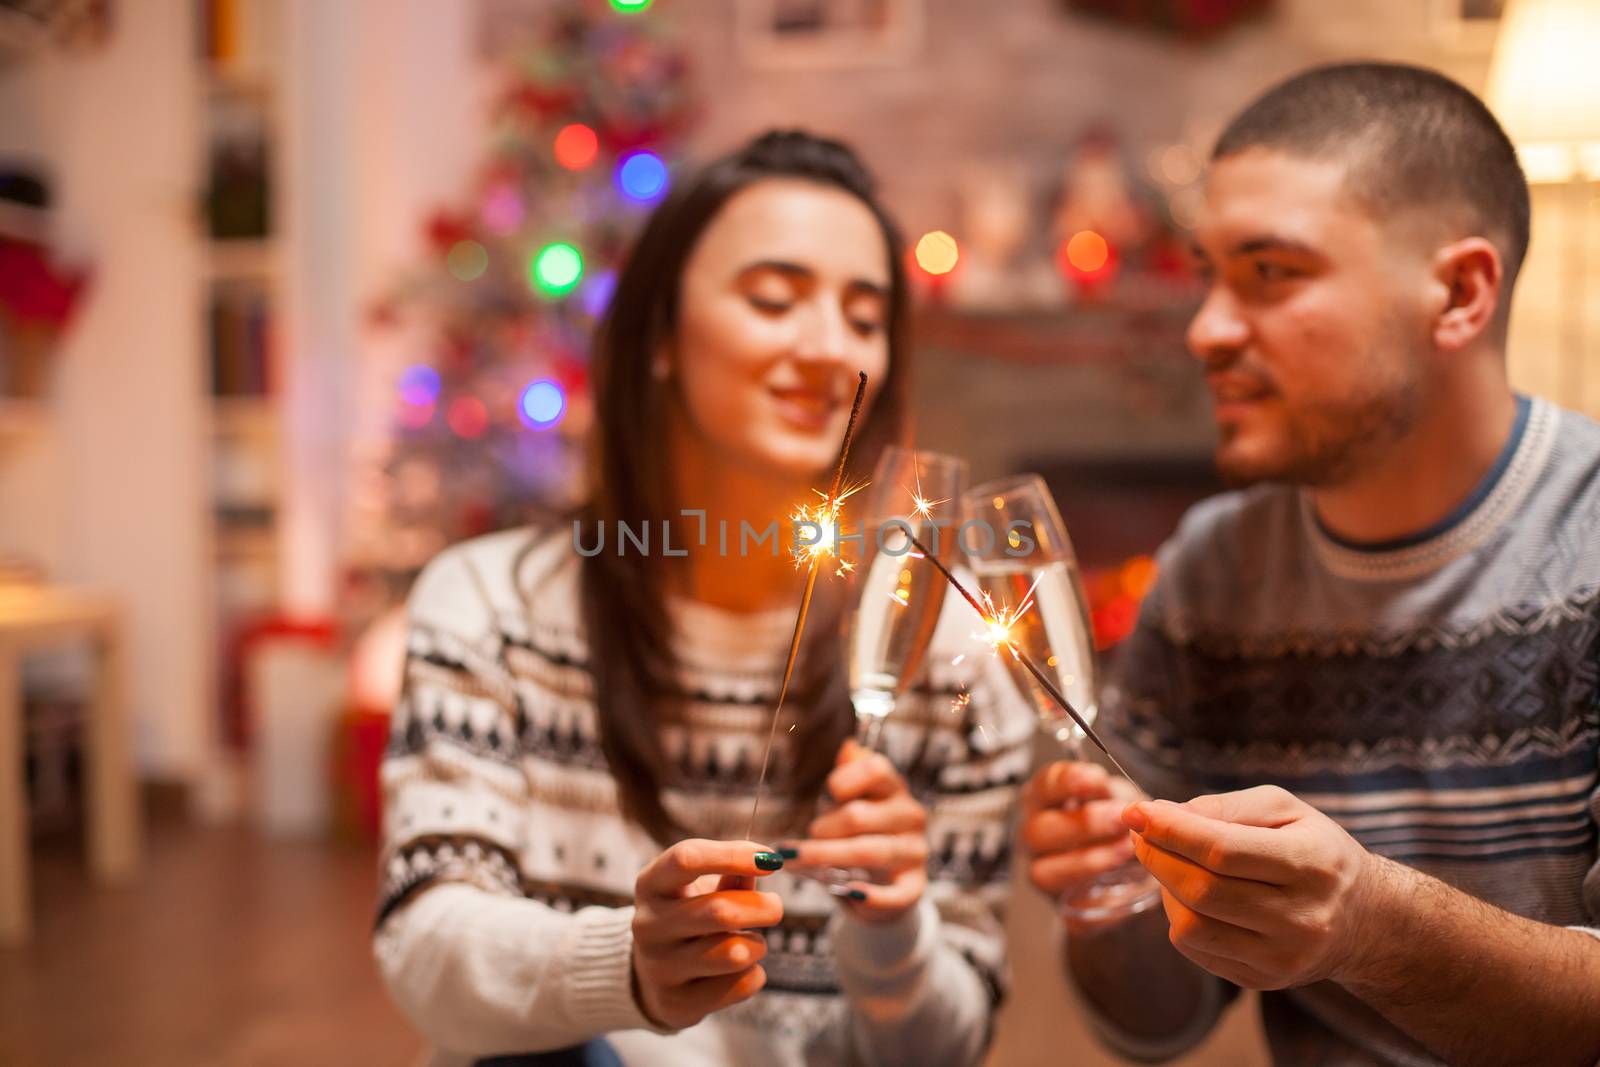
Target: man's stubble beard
1331,442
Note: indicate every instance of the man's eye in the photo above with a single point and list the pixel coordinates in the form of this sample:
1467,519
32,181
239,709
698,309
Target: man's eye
864,327
1271,272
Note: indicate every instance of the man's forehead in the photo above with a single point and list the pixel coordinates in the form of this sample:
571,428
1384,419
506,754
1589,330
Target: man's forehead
1264,196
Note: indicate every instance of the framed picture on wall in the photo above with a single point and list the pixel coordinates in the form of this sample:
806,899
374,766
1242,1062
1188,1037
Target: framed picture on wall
813,34
1468,25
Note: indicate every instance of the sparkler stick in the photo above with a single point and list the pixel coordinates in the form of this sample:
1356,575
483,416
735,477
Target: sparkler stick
989,616
832,507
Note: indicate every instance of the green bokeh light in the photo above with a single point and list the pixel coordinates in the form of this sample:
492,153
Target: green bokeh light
557,268
630,6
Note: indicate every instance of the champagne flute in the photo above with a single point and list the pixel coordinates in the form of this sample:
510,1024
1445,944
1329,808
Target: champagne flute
1018,548
896,594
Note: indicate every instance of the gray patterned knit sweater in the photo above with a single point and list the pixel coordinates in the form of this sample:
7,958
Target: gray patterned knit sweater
1438,696
505,911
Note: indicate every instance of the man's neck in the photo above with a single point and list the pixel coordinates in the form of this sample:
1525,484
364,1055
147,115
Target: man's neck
1426,475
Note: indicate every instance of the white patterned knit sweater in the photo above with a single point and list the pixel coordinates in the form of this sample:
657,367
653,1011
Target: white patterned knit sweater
506,906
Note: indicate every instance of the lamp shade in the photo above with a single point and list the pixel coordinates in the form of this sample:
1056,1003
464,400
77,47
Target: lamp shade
1544,84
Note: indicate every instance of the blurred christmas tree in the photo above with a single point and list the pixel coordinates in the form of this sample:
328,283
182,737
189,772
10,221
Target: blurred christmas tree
489,425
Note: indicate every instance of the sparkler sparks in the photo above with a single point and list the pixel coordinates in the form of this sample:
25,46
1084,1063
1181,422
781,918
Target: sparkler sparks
821,518
921,505
998,622
997,633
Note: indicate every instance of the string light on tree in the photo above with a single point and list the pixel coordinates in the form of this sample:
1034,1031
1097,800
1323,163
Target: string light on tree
642,177
503,211
416,416
597,292
467,260
557,268
576,146
467,417
419,385
937,252
542,404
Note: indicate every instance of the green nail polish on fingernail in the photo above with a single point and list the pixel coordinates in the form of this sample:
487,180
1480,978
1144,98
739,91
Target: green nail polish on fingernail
789,852
769,861
857,894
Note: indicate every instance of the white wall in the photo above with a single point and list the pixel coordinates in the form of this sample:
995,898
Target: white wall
112,494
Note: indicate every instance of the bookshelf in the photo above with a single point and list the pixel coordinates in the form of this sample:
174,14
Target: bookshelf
240,50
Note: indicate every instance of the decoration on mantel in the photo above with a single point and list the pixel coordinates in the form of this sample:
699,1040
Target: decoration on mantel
1192,20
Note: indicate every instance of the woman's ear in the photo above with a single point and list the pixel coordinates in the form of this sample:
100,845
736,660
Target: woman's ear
661,363
1471,274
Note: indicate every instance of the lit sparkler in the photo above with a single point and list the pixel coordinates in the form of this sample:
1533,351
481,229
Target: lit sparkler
830,513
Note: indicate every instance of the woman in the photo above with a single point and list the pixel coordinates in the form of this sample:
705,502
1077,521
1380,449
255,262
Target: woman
576,752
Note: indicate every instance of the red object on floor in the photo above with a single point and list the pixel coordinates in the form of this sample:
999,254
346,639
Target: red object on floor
363,736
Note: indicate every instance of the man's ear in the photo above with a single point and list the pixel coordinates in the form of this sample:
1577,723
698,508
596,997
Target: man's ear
1470,274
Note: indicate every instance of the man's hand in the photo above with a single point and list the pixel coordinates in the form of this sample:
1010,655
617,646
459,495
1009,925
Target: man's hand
1260,888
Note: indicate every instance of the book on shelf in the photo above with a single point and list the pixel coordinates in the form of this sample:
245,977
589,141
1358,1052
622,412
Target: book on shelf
237,35
241,340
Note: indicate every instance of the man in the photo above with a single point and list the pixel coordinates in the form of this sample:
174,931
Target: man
1380,660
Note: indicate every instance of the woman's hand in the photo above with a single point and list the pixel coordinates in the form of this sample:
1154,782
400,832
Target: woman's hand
694,951
878,825
1072,823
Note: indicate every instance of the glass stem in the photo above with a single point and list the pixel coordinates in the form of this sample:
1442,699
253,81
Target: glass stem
869,731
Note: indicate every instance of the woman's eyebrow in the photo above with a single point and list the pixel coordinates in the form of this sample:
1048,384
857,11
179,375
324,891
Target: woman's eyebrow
779,266
799,271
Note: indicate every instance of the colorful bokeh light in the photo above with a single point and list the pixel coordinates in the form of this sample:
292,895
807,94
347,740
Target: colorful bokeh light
642,176
467,417
542,404
1086,251
597,292
557,268
416,416
937,252
576,146
419,385
628,7
467,260
503,211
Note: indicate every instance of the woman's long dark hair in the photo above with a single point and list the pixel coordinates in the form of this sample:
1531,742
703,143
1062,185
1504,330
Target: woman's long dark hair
624,609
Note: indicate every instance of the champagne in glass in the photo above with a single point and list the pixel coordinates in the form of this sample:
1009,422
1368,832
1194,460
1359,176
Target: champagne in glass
898,595
1024,560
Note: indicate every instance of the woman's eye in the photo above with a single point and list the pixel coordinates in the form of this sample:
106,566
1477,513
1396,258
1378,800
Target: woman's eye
1271,272
762,303
864,327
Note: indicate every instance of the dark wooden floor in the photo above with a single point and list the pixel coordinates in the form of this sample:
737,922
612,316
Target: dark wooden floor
230,949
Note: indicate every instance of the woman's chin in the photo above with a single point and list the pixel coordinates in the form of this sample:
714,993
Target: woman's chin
796,458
